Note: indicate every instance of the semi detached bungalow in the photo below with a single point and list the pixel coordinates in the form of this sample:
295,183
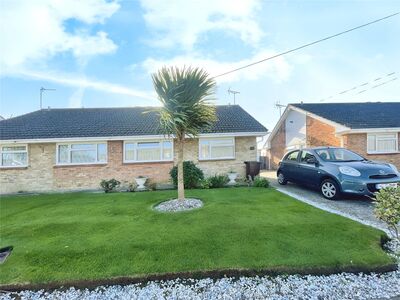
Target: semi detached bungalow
74,149
371,129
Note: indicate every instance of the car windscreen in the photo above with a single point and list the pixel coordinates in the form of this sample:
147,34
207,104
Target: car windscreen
338,155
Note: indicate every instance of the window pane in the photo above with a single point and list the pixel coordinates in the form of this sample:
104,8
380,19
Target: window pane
83,156
371,143
222,151
293,155
63,153
167,153
14,159
386,145
13,148
129,152
148,145
102,152
83,146
148,154
204,151
167,144
221,142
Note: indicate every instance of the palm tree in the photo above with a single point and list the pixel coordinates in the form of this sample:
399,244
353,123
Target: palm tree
185,95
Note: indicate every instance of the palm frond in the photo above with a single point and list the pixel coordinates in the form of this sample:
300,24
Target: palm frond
186,96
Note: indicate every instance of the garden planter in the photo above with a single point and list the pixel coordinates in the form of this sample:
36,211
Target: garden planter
140,182
232,178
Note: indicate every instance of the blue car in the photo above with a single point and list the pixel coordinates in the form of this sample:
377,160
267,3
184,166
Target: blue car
335,171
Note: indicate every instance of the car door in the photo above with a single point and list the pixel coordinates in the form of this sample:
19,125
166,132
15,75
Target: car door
308,172
290,165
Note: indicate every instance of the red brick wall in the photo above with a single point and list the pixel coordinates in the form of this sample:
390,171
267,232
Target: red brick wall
358,143
278,147
321,134
89,176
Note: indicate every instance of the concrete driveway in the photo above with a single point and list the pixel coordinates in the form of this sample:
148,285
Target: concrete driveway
359,209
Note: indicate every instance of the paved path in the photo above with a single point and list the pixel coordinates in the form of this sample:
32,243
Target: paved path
357,208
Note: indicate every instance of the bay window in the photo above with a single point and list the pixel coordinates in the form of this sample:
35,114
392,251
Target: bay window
382,143
148,151
82,153
218,148
14,156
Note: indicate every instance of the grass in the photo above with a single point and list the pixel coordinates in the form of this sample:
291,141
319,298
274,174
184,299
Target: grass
87,236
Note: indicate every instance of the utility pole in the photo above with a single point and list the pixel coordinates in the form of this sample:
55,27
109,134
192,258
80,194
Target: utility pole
42,89
234,94
279,106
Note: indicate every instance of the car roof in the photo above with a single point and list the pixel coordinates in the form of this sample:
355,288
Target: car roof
314,148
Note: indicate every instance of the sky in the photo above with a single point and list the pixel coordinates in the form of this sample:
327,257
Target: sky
99,53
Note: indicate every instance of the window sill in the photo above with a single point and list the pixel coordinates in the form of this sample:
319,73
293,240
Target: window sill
80,165
13,167
382,153
216,159
147,162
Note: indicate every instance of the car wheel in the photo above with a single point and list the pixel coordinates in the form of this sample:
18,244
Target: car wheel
330,189
281,179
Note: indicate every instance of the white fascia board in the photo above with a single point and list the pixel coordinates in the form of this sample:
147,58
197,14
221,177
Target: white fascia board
369,130
122,138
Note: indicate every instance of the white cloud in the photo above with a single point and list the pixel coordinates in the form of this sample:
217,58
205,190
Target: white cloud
278,69
34,30
181,22
76,98
82,82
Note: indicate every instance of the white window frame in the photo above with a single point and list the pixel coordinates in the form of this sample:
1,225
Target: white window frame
80,143
382,136
16,151
135,142
232,139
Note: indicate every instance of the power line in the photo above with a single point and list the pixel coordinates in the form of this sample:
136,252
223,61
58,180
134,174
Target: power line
307,45
374,83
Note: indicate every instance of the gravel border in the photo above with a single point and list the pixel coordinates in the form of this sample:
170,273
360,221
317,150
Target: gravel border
176,205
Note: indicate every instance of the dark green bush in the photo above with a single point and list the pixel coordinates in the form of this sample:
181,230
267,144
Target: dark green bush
217,181
109,185
260,182
192,175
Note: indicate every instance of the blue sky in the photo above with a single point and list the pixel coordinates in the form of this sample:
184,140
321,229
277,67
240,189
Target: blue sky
99,53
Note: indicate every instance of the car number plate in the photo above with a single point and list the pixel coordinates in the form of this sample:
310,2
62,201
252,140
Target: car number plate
386,185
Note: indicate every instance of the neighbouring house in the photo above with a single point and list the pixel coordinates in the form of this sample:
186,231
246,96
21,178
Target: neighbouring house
371,129
74,149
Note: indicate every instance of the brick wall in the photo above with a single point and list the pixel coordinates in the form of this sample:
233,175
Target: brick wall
212,167
321,134
43,175
278,147
358,143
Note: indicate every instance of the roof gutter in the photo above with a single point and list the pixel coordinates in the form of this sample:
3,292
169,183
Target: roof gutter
134,137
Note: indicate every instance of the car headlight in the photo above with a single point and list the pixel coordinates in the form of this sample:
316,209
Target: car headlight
349,171
394,168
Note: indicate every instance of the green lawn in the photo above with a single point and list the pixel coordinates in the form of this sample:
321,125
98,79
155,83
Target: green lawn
76,236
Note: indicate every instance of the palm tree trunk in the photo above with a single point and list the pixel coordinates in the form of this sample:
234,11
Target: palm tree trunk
181,187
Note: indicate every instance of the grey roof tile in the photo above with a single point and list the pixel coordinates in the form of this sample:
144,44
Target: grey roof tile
108,122
357,115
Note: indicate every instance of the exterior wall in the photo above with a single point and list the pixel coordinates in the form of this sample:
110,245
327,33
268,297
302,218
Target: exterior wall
245,148
42,174
36,177
296,129
321,134
358,143
278,147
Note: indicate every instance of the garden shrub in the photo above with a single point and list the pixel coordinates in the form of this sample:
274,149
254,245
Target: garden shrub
192,175
204,183
260,182
387,208
109,185
218,181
